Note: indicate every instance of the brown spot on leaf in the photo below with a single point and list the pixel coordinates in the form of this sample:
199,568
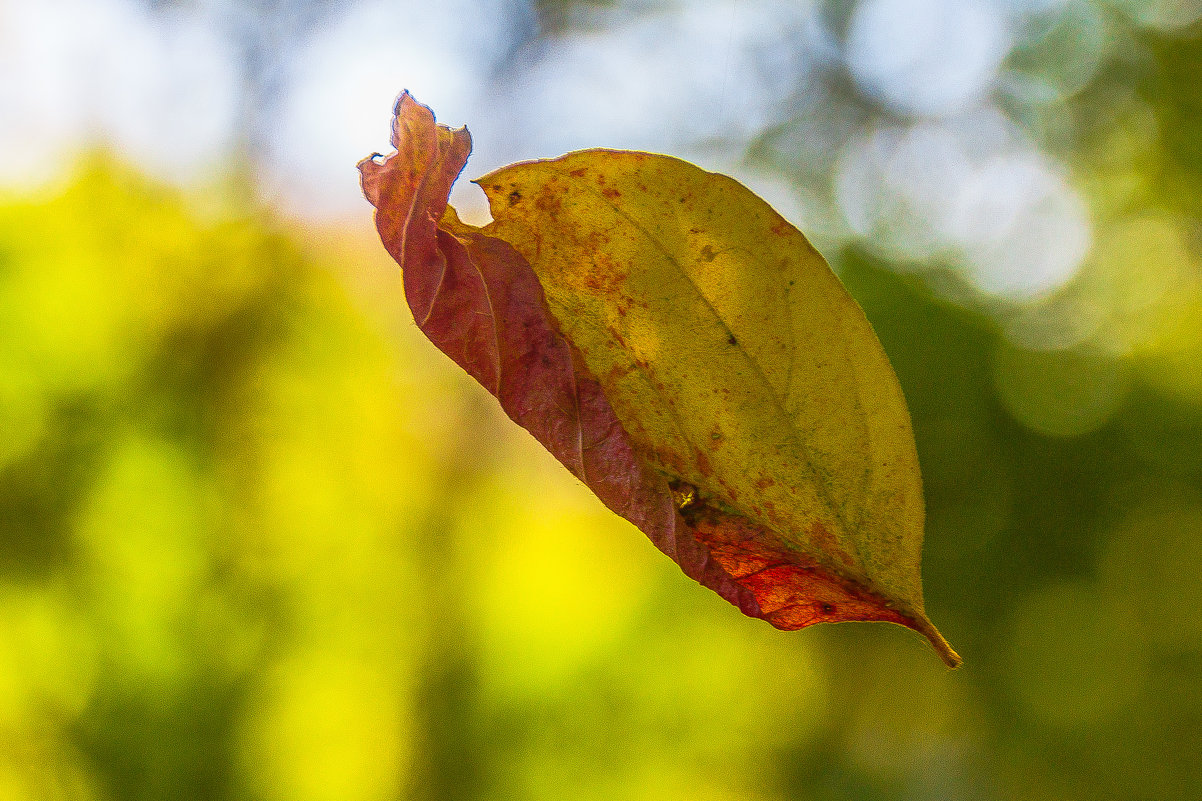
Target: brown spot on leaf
617,337
606,278
549,201
708,254
617,373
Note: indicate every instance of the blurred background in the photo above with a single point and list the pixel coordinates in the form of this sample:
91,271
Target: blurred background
259,540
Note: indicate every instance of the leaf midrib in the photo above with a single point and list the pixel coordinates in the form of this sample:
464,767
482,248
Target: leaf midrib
778,403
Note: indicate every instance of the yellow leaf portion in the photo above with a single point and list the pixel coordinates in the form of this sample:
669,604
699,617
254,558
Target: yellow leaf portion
731,353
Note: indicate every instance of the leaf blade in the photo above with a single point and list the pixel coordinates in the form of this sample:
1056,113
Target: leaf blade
599,368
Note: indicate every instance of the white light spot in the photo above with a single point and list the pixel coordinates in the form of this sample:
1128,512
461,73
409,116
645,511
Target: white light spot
929,57
967,192
1023,229
892,186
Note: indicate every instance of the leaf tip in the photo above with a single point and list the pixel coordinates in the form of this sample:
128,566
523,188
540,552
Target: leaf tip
403,101
942,647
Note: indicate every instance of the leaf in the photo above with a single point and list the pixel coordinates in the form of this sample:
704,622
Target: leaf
686,353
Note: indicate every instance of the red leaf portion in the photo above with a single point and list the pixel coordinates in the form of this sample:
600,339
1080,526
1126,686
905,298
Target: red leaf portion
479,301
793,589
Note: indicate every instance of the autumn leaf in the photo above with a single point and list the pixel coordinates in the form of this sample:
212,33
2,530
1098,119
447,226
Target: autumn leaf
686,353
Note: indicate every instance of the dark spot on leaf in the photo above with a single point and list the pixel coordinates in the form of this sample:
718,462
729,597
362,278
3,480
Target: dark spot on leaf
611,193
515,197
549,201
730,340
827,609
577,173
708,254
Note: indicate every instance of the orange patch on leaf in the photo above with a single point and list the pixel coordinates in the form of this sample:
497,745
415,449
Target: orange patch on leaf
793,590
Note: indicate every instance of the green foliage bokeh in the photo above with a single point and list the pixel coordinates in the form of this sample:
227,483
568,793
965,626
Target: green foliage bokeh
260,541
